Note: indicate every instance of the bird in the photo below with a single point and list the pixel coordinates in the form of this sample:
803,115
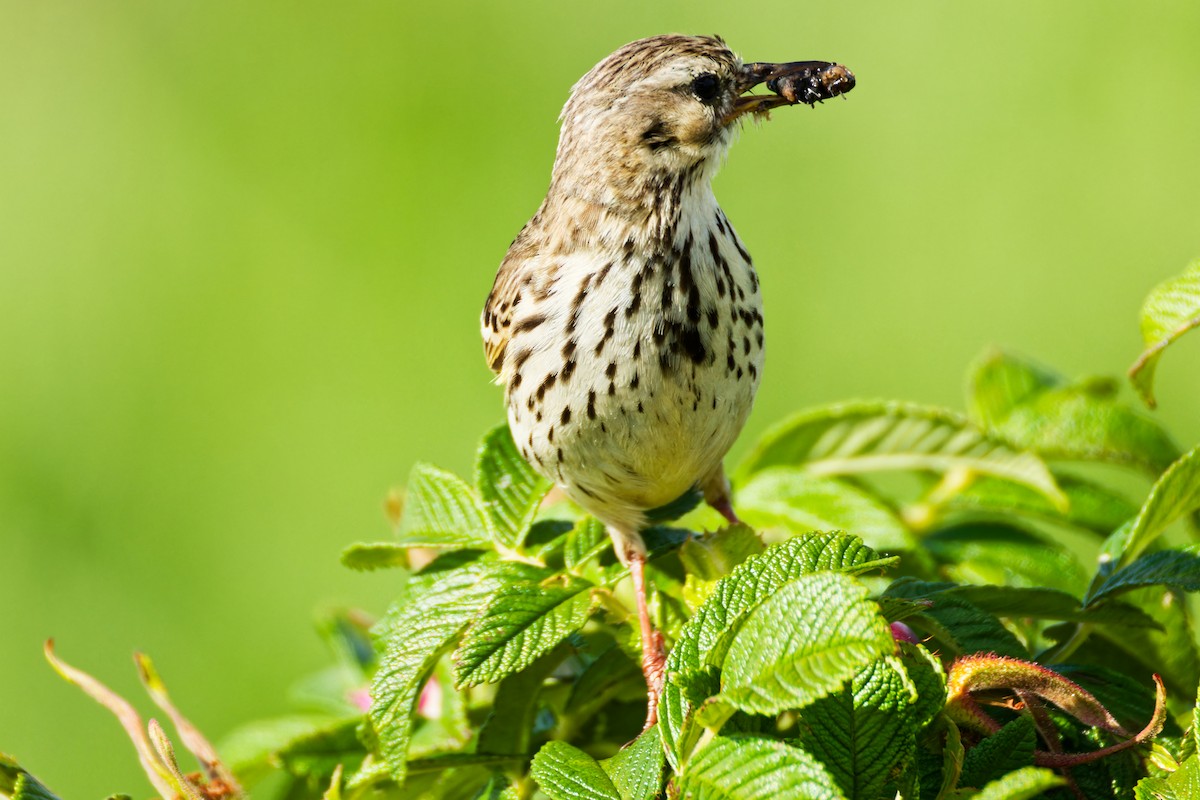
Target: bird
625,321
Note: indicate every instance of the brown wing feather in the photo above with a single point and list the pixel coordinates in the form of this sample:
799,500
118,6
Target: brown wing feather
498,313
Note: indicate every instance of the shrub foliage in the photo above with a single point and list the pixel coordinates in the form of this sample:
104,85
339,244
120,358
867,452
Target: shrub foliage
922,605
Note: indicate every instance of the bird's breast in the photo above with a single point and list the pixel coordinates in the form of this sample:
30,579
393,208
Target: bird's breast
632,373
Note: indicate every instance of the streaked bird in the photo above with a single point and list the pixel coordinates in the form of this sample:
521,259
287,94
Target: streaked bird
625,321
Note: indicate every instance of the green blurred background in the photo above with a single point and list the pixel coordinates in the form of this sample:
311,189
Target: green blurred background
243,248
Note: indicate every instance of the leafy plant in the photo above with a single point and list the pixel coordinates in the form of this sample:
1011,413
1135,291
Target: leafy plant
998,621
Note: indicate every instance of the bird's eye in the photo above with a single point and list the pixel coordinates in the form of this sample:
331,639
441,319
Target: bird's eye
706,87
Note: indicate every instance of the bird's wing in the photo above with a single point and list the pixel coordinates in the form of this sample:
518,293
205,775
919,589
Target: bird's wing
498,310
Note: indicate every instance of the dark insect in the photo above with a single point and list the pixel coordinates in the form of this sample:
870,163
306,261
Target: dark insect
819,82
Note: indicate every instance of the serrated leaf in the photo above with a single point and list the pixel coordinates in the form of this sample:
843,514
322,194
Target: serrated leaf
1034,408
712,556
417,632
859,438
367,556
1092,506
791,497
28,787
564,772
636,770
1171,310
602,681
1182,784
928,677
521,622
319,753
998,382
1174,495
1172,653
1013,601
584,542
1178,569
988,552
1024,784
251,749
760,577
16,783
802,643
959,626
509,725
441,510
1087,422
1130,701
1009,749
732,598
862,730
508,486
752,768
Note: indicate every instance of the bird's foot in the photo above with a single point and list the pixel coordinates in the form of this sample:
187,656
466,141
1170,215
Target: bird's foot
654,662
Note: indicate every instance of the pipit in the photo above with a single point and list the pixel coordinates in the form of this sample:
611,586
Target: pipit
626,321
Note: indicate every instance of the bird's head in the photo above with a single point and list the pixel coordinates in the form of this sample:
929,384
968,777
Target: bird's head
670,105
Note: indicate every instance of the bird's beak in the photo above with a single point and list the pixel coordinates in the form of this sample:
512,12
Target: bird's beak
795,82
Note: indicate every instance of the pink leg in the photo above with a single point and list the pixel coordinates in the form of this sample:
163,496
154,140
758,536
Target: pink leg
653,659
717,493
725,509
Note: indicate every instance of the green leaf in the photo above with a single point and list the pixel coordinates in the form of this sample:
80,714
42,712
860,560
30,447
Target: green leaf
862,730
521,622
802,643
1174,495
1024,784
762,576
989,552
1092,506
510,489
509,725
790,497
1036,409
959,626
1130,701
1182,784
367,556
567,773
734,595
441,510
319,753
606,678
752,768
1013,601
417,632
16,783
1172,653
28,787
712,556
998,382
585,541
253,749
1171,310
1087,422
252,744
636,770
928,676
1010,748
859,438
1178,569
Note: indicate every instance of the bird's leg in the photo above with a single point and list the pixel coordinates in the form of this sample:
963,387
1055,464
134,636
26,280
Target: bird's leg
718,494
653,658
